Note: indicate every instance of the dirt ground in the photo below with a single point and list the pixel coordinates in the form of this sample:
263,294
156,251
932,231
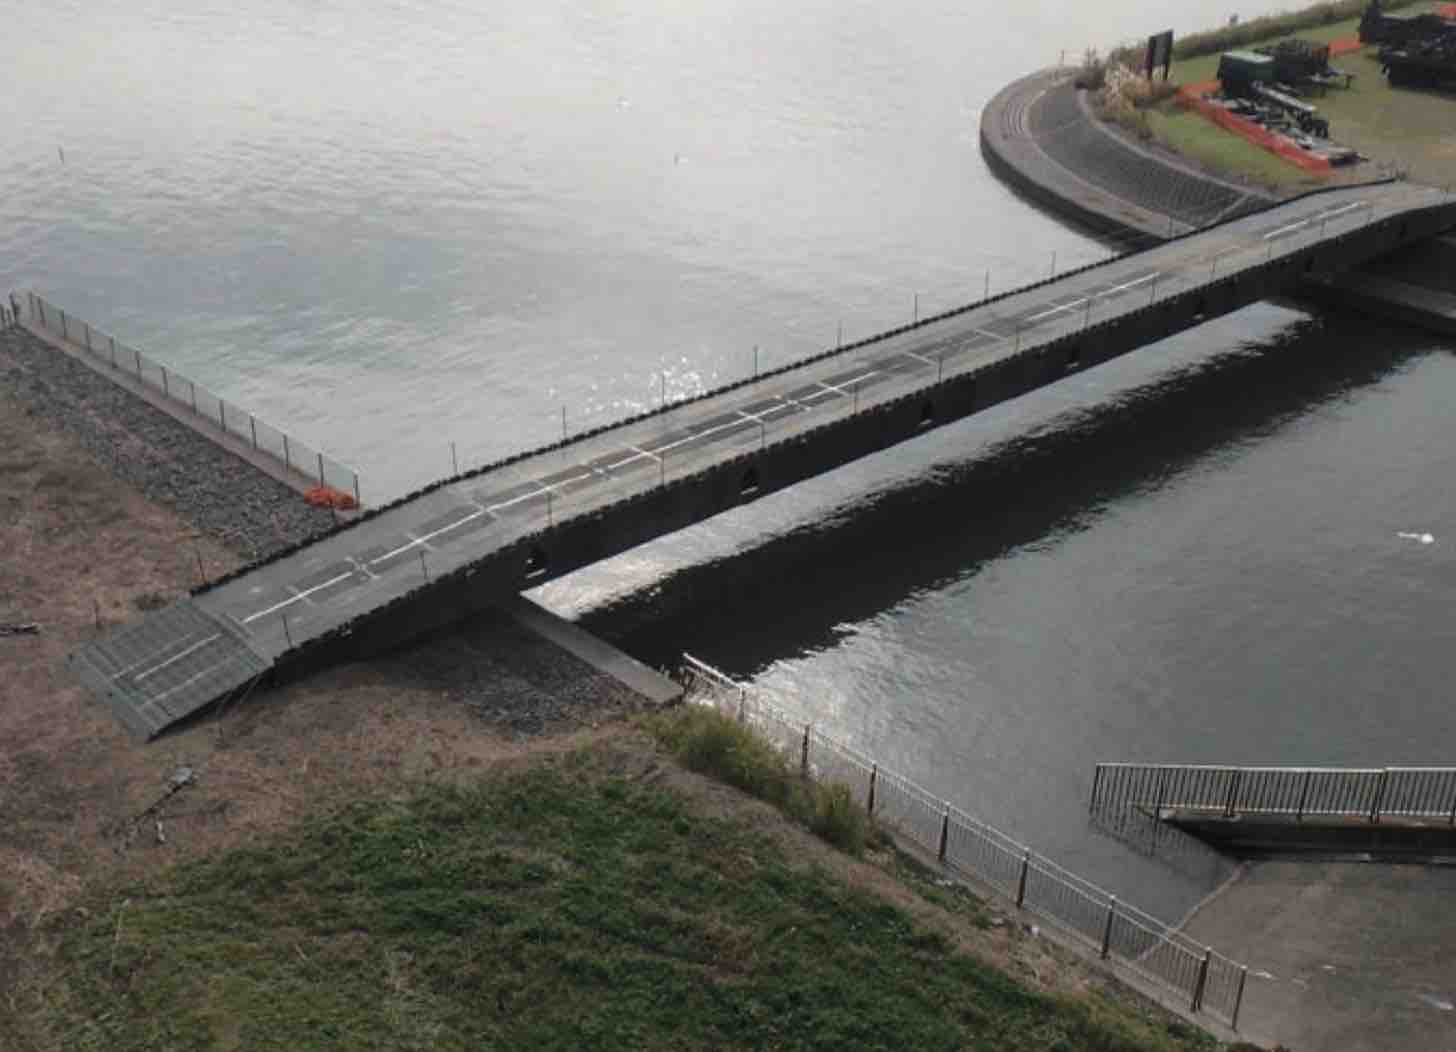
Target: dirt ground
81,802
82,550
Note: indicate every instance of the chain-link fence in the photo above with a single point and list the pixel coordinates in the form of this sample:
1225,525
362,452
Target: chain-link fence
211,410
1207,981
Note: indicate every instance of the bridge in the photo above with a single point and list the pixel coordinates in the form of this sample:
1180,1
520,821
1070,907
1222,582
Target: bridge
437,555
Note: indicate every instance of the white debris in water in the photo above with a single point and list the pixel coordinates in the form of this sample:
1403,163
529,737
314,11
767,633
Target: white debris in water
1424,538
1328,967
1262,975
1438,1003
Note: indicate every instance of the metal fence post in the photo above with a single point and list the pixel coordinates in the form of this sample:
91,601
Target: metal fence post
944,833
165,389
1303,796
253,427
113,351
65,335
1096,784
357,499
1021,881
874,777
287,460
138,363
88,335
1379,795
1239,997
804,753
1107,927
1228,811
222,415
1197,1004
321,468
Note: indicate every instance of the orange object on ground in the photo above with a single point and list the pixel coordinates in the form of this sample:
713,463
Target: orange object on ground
328,497
1447,10
1191,96
1345,45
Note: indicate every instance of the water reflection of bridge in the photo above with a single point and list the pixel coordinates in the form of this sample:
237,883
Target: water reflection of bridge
436,555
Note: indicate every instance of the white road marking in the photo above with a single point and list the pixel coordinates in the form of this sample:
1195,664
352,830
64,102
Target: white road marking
1057,310
176,657
187,682
1131,284
316,588
988,332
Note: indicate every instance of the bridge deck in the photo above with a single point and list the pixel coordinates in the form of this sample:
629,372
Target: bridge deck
276,607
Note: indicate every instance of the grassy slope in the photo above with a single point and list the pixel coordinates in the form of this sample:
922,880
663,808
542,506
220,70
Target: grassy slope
567,906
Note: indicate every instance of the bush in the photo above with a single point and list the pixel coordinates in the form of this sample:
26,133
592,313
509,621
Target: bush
711,743
839,820
1241,34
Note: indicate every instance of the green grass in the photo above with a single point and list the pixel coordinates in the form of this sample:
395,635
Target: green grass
563,907
1199,139
1412,129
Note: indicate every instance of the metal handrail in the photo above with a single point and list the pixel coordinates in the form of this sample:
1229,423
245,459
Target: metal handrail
1209,981
1368,793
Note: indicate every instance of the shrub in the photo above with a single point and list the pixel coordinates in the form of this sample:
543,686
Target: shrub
839,820
1241,34
709,742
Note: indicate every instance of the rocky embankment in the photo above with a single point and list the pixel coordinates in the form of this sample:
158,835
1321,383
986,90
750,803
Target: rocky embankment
171,464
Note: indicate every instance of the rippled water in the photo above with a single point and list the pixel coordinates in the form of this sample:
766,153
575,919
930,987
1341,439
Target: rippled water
393,226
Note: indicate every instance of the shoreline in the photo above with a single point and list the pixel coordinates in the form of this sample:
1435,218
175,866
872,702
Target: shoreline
1037,129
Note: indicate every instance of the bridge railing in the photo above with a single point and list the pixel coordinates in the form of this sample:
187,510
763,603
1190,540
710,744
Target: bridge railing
1369,793
210,409
1205,980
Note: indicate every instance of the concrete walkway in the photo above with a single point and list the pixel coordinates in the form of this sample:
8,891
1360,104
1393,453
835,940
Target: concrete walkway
1343,957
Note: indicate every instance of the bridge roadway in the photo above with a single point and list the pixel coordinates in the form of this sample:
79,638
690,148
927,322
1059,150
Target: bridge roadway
178,660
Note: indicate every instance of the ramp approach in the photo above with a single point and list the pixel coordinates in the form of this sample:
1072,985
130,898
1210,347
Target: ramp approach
431,558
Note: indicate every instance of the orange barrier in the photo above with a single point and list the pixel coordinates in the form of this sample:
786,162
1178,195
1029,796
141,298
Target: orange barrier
328,497
1345,45
1191,97
1447,10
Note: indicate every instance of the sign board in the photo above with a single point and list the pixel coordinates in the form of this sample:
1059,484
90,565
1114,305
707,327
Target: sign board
1160,53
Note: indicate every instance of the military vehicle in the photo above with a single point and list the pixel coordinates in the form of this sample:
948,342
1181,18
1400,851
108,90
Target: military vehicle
1421,63
1376,27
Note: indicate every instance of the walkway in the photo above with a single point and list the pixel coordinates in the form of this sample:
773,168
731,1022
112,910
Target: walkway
174,663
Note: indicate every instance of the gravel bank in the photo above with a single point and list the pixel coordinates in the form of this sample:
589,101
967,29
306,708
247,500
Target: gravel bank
169,463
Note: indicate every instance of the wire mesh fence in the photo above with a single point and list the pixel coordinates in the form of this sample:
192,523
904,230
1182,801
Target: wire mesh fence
210,409
1207,981
1305,792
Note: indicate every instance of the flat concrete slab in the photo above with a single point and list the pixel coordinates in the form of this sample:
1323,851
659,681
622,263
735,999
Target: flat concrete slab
1343,957
647,683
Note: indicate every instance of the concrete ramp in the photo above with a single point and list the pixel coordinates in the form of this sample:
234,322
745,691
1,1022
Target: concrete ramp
166,667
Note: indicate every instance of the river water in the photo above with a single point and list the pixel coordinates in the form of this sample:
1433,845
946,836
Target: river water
393,226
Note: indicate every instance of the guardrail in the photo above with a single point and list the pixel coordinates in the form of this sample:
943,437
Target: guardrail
1370,793
288,450
1207,980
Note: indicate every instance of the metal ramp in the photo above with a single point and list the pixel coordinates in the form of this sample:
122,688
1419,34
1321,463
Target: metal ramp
166,667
